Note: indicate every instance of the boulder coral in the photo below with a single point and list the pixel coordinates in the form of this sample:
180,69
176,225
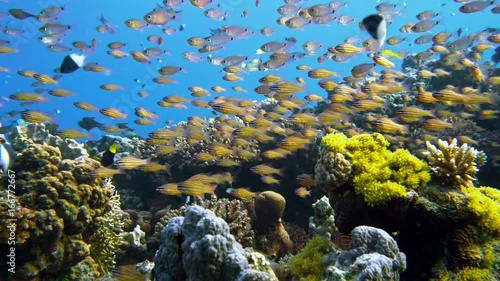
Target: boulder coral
199,247
373,255
57,205
233,212
270,234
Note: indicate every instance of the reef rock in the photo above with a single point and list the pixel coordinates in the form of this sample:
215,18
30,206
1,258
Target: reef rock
199,247
373,255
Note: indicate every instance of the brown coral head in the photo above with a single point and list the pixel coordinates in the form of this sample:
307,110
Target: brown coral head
269,207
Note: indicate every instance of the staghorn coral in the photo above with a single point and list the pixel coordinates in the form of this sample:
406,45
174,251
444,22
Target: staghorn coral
234,212
58,206
453,165
199,247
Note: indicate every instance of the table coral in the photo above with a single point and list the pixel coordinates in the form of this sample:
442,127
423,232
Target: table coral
199,247
57,205
453,165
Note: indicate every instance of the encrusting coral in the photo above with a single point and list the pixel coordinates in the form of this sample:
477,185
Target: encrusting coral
454,165
57,205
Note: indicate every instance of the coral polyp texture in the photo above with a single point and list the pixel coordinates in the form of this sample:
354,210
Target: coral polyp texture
199,247
373,255
365,162
454,165
234,213
58,207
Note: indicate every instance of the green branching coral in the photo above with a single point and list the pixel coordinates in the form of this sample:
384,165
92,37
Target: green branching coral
454,165
307,265
108,237
378,174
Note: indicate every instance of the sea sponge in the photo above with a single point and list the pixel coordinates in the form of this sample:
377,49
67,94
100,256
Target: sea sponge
453,165
378,174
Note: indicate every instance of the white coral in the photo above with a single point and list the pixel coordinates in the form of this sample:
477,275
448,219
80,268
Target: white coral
454,165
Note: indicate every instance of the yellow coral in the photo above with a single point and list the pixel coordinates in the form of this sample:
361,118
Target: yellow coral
473,274
335,142
484,204
380,175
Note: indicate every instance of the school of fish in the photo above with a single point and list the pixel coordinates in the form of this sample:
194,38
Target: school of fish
353,102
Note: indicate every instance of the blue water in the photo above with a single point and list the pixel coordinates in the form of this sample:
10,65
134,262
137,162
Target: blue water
34,55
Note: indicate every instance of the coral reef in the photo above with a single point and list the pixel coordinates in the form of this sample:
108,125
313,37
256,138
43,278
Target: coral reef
271,236
453,165
233,212
188,147
202,239
108,236
125,146
373,255
58,207
30,133
323,221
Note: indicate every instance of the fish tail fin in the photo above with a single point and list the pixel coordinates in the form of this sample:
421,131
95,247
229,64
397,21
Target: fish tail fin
167,169
406,129
281,172
213,187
